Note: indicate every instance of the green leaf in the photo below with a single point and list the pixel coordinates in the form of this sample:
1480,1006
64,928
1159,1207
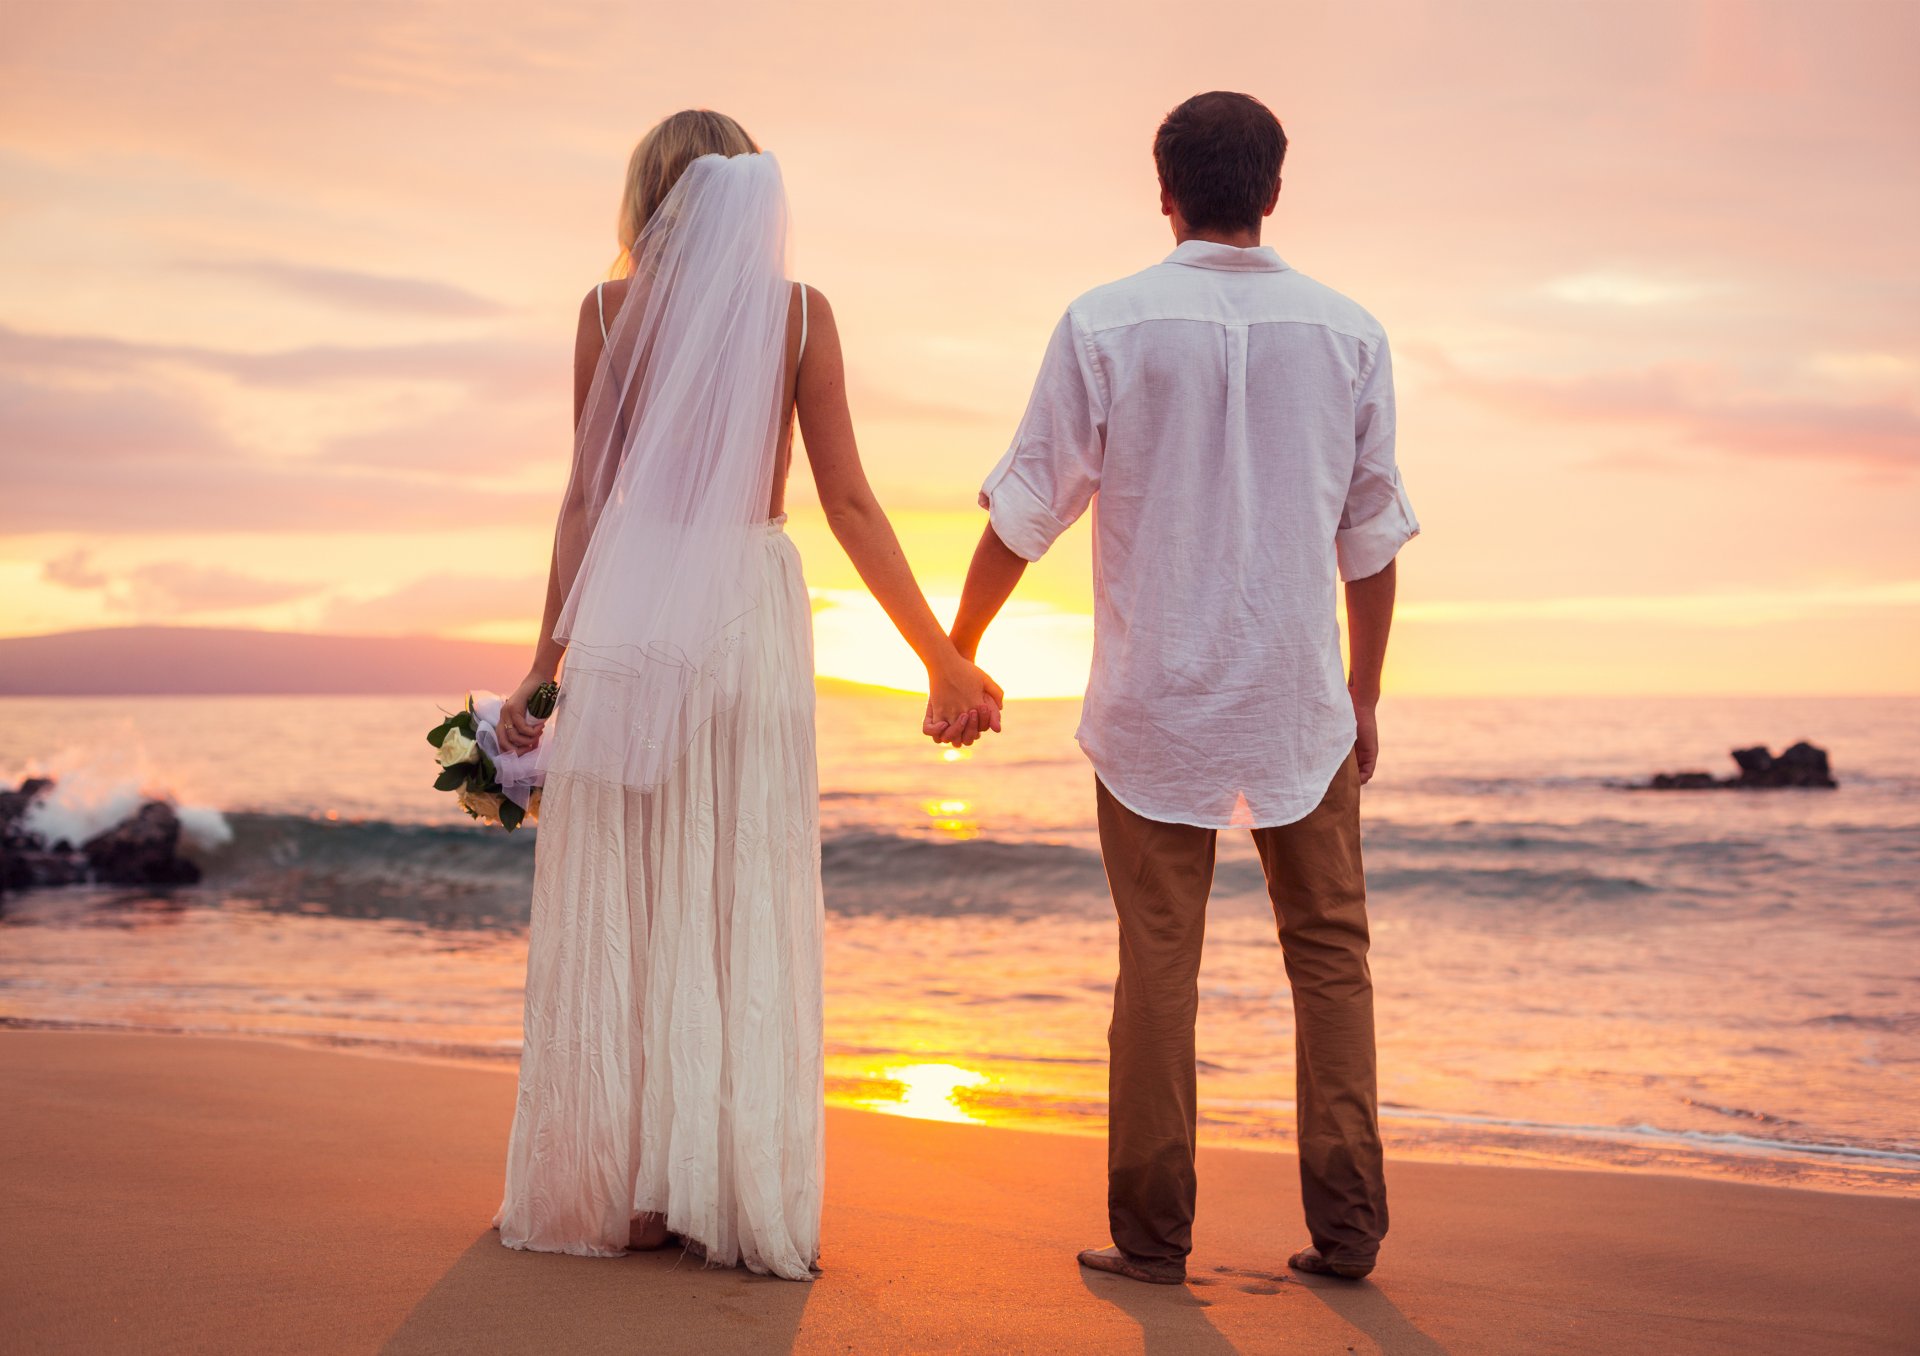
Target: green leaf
452,779
511,815
438,734
463,721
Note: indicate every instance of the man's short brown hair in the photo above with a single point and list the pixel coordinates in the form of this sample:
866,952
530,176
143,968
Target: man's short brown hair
1219,155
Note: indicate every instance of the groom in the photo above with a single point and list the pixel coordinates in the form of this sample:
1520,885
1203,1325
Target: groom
1231,422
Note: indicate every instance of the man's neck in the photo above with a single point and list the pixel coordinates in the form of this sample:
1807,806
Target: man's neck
1240,240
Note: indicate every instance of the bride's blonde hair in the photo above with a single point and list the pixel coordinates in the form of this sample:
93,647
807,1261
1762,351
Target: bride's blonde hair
658,162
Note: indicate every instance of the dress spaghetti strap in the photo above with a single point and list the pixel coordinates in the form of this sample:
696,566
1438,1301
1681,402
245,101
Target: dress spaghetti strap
803,324
600,300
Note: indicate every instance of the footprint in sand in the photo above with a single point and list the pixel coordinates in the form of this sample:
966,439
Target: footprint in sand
1266,1282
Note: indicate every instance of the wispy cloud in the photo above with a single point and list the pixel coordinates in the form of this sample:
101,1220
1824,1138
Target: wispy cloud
75,570
123,458
502,367
353,290
438,604
1752,607
1611,287
103,436
171,588
182,588
1707,405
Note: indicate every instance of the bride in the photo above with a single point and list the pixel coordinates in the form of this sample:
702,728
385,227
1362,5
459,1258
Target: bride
671,1080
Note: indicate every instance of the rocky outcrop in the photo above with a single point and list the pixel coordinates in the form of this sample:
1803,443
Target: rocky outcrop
141,850
16,872
1801,765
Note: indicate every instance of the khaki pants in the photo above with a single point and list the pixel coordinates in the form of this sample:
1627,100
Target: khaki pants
1160,875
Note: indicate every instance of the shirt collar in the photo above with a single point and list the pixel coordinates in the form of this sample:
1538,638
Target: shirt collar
1212,254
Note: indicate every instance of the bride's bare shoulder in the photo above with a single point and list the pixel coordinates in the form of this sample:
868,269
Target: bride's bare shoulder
603,300
810,305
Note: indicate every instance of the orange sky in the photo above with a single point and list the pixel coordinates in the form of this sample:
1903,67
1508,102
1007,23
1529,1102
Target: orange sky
289,293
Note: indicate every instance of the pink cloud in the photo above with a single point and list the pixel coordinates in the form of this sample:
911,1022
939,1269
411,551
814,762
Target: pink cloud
353,290
439,603
127,459
171,588
1703,404
501,367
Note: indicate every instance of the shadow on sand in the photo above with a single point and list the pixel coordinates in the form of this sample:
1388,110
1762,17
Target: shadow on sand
1364,1305
1172,1318
1181,1318
497,1299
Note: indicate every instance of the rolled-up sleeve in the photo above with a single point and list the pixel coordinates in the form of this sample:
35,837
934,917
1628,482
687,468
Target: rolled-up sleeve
1050,473
1378,518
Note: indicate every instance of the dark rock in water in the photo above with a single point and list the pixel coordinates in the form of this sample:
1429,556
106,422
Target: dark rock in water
141,850
13,804
16,844
15,872
44,868
1802,765
1683,781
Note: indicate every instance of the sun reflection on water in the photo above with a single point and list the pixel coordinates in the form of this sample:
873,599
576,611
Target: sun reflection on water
929,1092
953,817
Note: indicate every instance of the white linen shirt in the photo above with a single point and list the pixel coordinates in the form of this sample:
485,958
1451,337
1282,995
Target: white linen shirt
1231,422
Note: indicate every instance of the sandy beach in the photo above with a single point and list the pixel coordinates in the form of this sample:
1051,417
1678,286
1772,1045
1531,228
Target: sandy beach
193,1194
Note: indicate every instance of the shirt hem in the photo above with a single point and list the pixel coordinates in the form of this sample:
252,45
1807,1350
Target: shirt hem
1324,782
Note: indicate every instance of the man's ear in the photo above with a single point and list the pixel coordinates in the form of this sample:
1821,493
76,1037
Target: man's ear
1273,201
1166,201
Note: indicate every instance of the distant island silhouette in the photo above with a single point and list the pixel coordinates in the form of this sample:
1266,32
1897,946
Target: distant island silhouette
207,661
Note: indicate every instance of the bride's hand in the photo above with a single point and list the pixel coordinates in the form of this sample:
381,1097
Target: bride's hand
518,731
962,703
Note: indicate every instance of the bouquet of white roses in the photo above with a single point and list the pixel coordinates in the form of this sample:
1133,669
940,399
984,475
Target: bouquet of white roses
493,786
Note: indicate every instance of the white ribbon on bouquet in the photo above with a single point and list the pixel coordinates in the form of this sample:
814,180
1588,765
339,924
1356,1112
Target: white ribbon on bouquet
519,774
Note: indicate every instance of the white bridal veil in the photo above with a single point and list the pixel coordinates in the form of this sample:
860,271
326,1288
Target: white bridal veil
673,469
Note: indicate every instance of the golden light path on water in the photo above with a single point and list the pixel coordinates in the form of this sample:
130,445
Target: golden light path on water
929,1092
953,817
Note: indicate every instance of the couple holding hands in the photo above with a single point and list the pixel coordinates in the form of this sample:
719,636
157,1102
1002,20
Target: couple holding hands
1231,424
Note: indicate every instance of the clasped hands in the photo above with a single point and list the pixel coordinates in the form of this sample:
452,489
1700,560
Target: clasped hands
963,703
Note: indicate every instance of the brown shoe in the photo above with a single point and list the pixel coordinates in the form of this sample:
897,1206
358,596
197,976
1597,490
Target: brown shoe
1310,1260
1134,1268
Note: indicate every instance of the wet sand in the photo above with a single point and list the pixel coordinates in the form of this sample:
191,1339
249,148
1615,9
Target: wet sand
167,1193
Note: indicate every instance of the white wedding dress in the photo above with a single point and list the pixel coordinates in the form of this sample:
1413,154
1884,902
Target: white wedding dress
673,1046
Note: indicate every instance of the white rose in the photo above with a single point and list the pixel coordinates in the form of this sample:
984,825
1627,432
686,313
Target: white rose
457,748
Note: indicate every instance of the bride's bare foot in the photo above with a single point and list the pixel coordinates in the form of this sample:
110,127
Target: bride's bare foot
647,1233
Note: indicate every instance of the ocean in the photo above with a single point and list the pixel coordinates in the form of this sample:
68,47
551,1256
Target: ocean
1568,970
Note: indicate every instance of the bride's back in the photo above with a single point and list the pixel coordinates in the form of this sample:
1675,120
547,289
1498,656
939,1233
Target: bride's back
656,166
602,306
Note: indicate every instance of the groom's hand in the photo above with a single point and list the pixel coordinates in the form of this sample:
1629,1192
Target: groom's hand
962,703
964,729
1366,740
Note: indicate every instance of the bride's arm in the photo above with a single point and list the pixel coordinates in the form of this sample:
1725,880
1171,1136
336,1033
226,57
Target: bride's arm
519,731
960,695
